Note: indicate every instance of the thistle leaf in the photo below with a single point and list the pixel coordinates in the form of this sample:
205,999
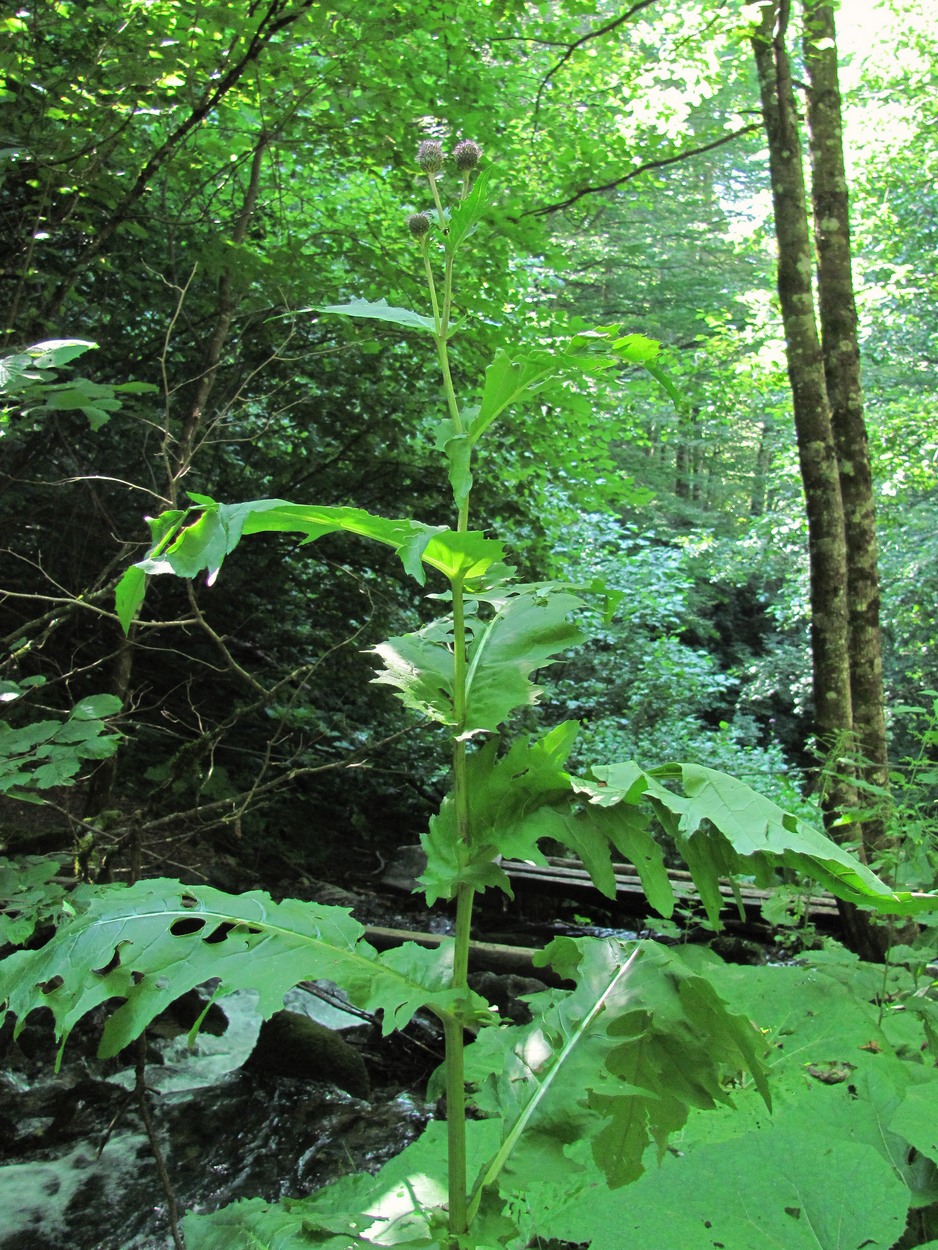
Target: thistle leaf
724,827
620,1060
380,311
149,943
526,633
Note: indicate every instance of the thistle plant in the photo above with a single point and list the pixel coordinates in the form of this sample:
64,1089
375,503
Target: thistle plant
606,1067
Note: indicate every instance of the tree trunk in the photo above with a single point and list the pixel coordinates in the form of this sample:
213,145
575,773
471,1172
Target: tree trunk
838,315
814,432
817,448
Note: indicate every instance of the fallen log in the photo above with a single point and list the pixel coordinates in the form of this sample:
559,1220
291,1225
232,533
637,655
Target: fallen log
483,956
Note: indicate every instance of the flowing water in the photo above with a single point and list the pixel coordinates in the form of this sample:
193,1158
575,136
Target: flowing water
76,1168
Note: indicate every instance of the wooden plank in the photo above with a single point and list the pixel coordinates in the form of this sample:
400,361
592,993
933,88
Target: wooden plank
570,874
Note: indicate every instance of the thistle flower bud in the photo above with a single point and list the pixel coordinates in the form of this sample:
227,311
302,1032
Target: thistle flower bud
418,224
430,156
467,155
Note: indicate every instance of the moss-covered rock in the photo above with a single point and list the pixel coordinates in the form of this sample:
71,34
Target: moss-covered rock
291,1044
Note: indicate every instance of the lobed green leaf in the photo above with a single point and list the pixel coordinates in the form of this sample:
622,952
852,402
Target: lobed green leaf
214,530
145,945
618,1061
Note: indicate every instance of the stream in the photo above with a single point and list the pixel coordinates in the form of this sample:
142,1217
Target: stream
235,1115
76,1168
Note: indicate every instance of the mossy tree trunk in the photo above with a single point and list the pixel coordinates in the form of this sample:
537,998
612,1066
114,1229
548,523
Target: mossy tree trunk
833,485
838,318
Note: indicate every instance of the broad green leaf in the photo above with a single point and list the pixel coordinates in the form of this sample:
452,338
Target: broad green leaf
450,863
789,1190
129,595
149,943
381,311
619,1061
526,633
722,827
636,349
503,793
526,796
216,529
917,1118
508,380
96,706
420,667
54,353
462,556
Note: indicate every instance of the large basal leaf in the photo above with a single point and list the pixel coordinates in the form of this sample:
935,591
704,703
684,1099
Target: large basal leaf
774,1189
838,1091
722,827
147,944
917,1118
620,1060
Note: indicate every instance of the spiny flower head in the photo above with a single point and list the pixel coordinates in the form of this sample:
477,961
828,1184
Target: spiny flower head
430,156
467,155
418,224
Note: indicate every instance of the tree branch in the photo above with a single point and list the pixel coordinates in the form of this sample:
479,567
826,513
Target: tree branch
686,155
590,34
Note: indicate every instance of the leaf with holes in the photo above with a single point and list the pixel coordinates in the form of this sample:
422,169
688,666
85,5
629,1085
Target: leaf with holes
147,944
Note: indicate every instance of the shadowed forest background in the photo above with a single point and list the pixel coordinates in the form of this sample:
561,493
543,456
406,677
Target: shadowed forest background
685,257
180,188
182,183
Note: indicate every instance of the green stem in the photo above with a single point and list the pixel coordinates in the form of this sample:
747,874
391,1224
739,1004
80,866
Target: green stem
428,270
453,1027
457,1168
431,178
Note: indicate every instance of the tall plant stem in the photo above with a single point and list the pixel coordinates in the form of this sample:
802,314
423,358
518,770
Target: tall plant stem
454,1024
457,1178
453,1034
457,1174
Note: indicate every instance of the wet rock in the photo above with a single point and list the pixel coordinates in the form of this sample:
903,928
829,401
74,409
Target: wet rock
402,872
504,991
184,1011
291,1044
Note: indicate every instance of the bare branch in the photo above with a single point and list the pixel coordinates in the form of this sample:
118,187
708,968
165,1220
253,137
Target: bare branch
572,47
686,155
